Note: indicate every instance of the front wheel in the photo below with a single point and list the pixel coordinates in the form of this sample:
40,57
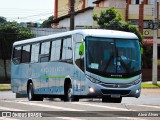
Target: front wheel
68,97
30,92
112,100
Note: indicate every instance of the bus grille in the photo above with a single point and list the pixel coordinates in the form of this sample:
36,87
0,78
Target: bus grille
115,85
121,92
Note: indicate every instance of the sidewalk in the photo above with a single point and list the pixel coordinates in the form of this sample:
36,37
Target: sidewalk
150,91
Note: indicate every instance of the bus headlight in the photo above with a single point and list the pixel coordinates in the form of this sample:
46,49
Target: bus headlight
136,81
93,79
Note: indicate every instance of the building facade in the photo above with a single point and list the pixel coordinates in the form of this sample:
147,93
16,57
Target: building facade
138,12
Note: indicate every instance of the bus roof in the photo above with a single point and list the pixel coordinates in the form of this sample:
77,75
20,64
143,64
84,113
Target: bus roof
84,32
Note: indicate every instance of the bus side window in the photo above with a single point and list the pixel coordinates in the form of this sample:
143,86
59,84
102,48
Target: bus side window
35,52
79,59
26,54
55,50
67,50
44,55
17,55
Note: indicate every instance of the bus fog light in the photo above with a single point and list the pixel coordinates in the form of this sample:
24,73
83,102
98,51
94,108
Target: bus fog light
91,89
137,91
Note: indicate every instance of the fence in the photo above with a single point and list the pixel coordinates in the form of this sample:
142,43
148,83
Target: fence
47,31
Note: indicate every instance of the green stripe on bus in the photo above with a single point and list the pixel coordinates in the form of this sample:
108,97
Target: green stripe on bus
45,76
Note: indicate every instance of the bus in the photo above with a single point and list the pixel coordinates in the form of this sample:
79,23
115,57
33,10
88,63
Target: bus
87,63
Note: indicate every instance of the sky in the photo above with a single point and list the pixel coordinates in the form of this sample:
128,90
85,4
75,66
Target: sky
26,10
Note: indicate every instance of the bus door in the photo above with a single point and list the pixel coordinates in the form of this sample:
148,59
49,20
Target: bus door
79,68
44,80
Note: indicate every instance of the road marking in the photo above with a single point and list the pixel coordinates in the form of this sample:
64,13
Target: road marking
10,109
114,108
100,106
3,118
70,109
69,118
132,118
54,107
158,107
49,106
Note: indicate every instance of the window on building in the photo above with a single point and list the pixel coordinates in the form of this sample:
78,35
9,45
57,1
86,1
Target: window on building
137,1
67,49
17,55
55,50
26,54
90,3
134,22
151,1
35,52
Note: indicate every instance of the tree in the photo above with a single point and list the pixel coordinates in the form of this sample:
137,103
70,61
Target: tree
47,23
111,19
9,33
2,20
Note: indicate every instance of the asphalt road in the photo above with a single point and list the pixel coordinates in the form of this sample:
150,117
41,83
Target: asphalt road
147,107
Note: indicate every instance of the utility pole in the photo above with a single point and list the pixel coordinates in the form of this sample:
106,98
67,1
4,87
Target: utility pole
154,61
72,14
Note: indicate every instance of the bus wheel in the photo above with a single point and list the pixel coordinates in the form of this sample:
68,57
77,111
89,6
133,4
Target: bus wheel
68,93
112,100
30,92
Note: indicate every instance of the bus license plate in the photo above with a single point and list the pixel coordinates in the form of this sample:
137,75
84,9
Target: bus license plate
115,96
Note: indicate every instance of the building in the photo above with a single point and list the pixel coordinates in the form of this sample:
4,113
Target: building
138,12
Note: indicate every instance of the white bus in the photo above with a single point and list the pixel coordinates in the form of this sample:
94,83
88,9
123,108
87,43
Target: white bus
89,63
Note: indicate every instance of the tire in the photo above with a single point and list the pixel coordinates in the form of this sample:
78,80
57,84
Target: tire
112,100
31,95
68,94
30,92
68,97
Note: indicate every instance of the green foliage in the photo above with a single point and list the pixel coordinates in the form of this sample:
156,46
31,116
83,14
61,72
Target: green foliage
9,33
47,23
111,19
2,20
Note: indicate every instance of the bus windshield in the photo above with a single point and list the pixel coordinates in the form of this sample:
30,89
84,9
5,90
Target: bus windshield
113,57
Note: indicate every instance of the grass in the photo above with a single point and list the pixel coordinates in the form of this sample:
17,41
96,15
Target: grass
150,85
5,87
143,85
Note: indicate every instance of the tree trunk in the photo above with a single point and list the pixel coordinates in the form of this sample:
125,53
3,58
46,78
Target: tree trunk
2,46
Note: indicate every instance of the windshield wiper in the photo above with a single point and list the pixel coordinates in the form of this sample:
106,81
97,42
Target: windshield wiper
110,59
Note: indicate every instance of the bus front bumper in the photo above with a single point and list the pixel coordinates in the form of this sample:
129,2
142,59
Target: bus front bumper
97,90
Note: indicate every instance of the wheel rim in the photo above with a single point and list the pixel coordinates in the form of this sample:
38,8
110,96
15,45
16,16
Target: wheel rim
69,94
30,92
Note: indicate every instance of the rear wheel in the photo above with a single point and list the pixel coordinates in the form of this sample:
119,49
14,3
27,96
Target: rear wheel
112,100
31,95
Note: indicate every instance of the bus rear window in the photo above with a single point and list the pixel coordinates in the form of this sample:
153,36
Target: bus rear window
17,55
